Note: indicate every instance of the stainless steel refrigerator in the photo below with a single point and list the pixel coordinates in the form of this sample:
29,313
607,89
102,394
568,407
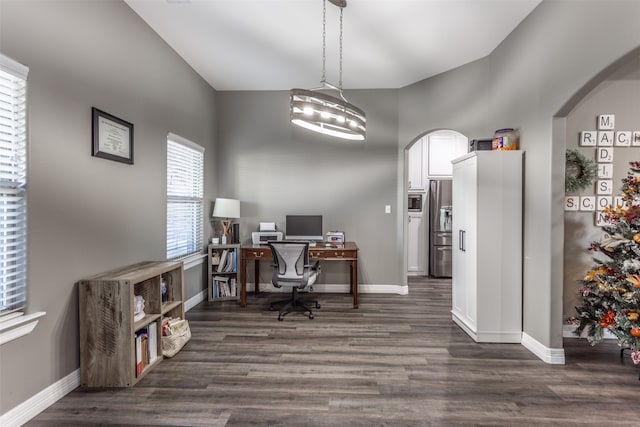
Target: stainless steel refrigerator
440,227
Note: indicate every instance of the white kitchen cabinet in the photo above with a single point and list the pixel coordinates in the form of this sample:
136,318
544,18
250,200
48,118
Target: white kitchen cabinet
416,167
443,147
416,245
487,245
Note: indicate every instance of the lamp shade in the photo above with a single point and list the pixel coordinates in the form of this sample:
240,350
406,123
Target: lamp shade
226,208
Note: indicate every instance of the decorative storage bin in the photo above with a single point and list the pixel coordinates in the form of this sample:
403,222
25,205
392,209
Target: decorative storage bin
505,139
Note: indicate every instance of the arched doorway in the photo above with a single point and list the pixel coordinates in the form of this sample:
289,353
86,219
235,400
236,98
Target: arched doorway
428,166
614,92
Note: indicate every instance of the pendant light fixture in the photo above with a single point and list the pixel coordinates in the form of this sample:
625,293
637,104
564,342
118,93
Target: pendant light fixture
320,112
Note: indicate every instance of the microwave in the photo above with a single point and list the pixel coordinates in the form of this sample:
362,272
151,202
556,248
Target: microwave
414,203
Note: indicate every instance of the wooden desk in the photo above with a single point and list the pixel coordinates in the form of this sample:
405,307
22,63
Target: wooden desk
343,252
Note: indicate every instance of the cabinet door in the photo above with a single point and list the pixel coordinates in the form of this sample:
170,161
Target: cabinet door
458,279
416,167
464,292
416,245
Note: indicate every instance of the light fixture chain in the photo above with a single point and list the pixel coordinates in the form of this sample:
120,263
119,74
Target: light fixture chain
340,72
324,41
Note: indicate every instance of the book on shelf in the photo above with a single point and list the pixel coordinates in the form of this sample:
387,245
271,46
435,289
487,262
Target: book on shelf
231,261
221,286
223,260
138,341
142,351
153,341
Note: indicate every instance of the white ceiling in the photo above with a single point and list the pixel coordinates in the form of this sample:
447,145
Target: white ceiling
277,44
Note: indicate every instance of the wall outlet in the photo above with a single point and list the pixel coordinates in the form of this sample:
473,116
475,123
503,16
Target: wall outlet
387,209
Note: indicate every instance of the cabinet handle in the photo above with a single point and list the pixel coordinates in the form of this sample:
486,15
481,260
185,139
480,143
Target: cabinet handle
461,240
464,243
258,254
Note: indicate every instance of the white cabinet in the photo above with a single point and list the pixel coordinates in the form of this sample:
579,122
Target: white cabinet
416,245
487,245
443,147
416,167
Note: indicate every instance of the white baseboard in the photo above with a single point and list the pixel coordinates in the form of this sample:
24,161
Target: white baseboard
41,401
553,356
514,337
195,300
567,332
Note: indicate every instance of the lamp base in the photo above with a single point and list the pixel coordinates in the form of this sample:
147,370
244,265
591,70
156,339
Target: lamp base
226,225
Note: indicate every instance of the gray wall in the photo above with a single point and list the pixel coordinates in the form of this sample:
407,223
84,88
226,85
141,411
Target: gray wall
88,215
276,168
524,83
618,95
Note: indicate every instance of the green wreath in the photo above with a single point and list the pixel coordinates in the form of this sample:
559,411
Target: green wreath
580,172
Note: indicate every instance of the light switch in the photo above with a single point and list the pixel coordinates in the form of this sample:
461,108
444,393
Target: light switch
387,209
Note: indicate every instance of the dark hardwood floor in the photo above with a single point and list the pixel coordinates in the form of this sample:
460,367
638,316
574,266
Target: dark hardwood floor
396,361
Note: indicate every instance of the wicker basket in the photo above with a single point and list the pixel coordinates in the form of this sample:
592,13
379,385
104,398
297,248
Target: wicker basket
172,344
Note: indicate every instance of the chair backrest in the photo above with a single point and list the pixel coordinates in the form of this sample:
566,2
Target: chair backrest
289,258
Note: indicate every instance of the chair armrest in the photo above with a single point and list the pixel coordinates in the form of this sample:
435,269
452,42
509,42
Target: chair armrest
314,266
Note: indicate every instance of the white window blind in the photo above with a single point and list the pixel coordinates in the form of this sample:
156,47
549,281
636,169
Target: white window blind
13,181
185,192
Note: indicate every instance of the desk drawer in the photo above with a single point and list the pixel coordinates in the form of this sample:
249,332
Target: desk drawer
257,253
333,254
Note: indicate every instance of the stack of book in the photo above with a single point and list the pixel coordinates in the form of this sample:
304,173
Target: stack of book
227,263
146,341
224,286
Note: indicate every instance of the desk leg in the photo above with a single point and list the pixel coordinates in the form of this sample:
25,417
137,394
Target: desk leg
354,282
243,283
256,276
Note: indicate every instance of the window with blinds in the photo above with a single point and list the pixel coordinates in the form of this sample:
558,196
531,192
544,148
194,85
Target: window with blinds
185,192
13,185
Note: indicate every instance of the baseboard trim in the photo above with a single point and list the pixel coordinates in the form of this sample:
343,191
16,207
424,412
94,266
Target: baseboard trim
567,332
552,356
195,300
28,409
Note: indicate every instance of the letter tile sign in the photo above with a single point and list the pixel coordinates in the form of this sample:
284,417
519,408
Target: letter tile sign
605,139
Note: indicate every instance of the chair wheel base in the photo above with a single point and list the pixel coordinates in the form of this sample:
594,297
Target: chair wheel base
310,315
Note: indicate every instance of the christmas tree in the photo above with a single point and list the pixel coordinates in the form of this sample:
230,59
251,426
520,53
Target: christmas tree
610,291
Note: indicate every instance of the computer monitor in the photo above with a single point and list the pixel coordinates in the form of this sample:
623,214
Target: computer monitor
304,227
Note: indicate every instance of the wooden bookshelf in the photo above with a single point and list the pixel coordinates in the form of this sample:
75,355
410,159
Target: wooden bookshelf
224,272
108,328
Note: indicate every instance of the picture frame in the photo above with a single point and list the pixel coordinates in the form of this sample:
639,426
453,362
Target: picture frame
112,137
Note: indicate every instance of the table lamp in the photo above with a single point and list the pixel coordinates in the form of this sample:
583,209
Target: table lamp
227,210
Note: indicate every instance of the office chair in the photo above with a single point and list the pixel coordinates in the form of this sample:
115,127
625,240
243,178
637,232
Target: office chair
291,268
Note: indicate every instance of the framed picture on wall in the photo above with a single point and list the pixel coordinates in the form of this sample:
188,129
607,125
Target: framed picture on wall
112,137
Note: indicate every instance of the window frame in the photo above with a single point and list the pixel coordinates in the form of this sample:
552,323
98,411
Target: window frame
191,243
13,187
14,323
